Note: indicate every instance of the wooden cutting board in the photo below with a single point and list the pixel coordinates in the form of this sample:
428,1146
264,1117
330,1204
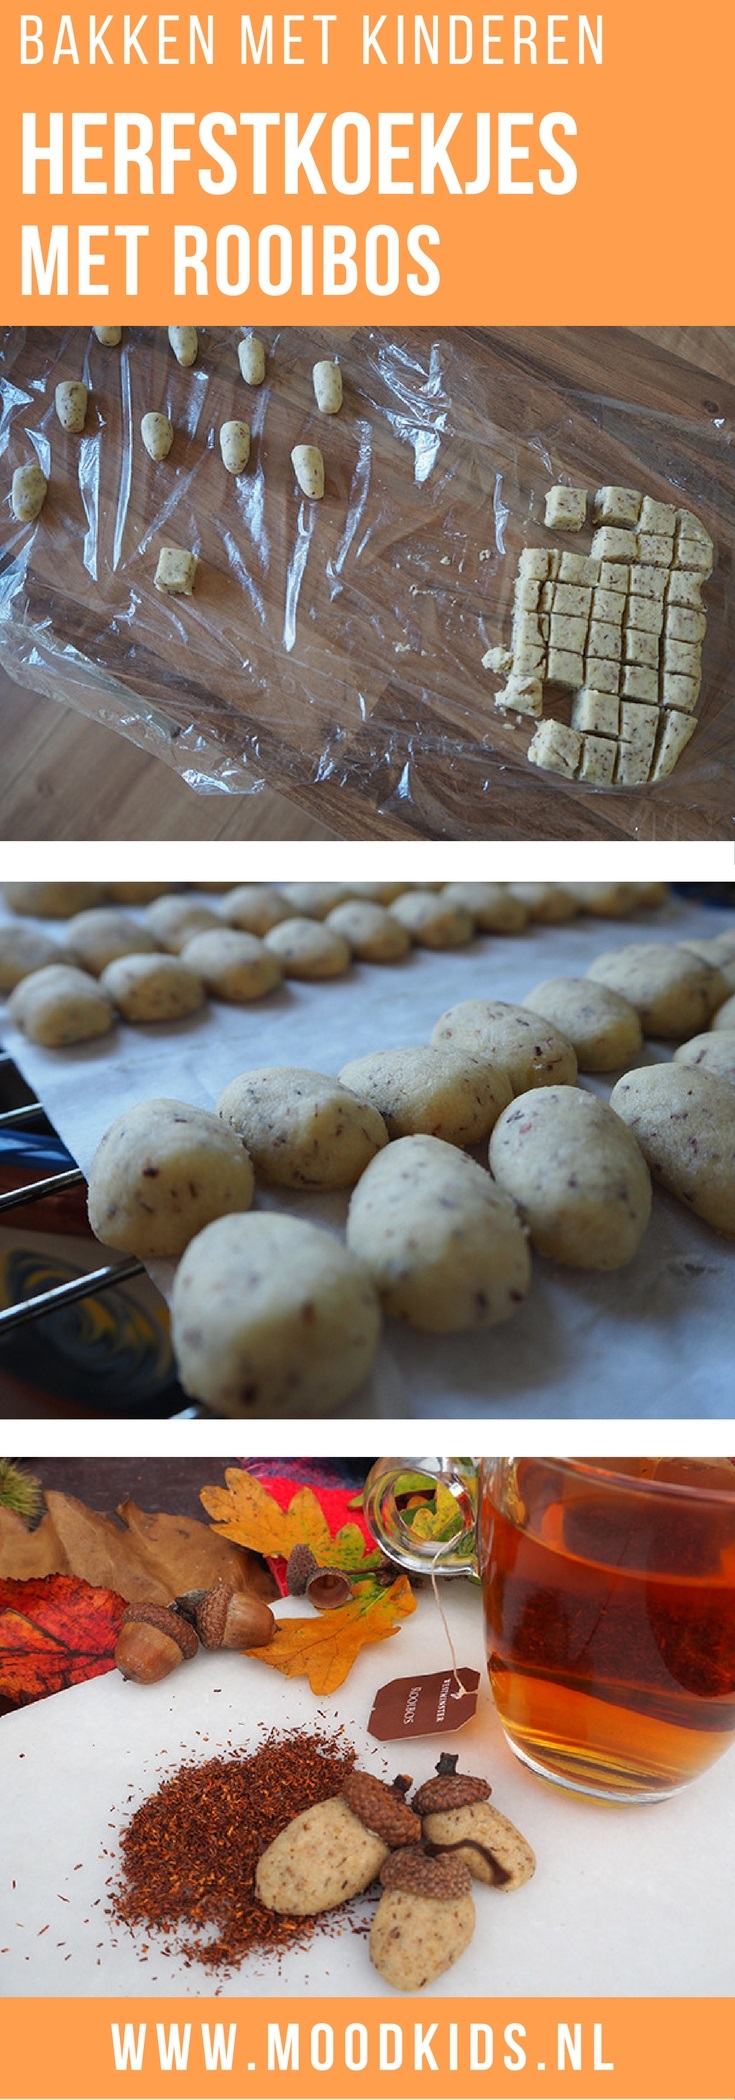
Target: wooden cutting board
333,650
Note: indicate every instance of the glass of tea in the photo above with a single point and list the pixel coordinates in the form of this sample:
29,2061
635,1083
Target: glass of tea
609,1600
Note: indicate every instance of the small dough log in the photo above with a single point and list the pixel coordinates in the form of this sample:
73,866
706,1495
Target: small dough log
251,357
234,444
185,345
71,399
29,491
327,376
157,432
308,466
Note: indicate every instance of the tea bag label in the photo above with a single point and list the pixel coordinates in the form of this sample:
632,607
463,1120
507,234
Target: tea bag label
434,1705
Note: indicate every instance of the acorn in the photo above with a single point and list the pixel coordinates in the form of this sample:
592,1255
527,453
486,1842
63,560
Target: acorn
333,1851
457,1818
424,1920
301,1564
152,1642
230,1618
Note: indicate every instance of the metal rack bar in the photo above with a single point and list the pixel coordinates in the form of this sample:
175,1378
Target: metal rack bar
52,1185
68,1293
12,1116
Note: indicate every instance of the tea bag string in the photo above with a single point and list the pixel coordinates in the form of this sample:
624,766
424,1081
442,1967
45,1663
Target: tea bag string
445,1545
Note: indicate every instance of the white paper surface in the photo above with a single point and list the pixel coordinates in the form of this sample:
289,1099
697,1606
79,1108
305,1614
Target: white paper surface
654,1339
626,1901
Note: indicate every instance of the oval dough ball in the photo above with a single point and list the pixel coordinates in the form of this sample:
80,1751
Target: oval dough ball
174,920
98,937
272,1316
161,1172
153,988
605,900
711,1053
443,1093
59,1005
23,949
672,990
53,900
721,953
374,935
547,903
308,949
314,900
577,1176
684,1121
137,892
254,907
431,921
302,1129
532,1052
492,905
603,1028
379,892
232,965
724,1017
444,1245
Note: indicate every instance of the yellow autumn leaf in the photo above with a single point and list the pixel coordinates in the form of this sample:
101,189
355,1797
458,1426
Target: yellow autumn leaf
325,1647
244,1510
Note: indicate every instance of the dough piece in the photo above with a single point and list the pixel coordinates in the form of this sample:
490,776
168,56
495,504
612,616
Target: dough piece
384,892
255,907
314,900
176,571
638,725
611,545
306,948
534,561
160,1173
683,1118
677,730
431,921
526,593
724,1019
445,1093
653,547
657,517
546,903
684,587
606,900
615,576
495,1833
618,506
598,761
494,906
572,600
568,633
234,445
233,965
578,568
185,345
647,582
634,762
97,937
174,920
691,554
109,337
529,662
498,659
710,1053
683,659
251,359
28,493
565,668
672,990
444,1247
640,682
372,932
555,747
308,466
153,988
525,696
137,892
609,606
157,432
71,399
580,1182
640,648
685,624
272,1316
327,377
645,613
603,1029
59,1005
532,1052
602,675
598,713
566,509
720,950
303,1130
52,900
23,949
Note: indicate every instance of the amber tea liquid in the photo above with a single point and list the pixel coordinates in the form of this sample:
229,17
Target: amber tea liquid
610,1618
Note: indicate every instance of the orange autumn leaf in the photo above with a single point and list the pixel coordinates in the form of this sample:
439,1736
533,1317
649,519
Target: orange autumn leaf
244,1510
324,1648
54,1632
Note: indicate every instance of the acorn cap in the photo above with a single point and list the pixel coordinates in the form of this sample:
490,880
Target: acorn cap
442,1880
450,1790
328,1588
169,1622
300,1565
381,1809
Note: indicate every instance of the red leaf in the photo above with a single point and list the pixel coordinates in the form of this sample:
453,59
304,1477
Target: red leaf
54,1632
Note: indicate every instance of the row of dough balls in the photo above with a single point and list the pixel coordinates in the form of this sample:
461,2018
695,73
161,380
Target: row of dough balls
71,399
496,907
271,1314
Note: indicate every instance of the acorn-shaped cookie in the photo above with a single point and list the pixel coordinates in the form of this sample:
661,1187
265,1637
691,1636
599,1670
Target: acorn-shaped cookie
334,1850
457,1818
424,1920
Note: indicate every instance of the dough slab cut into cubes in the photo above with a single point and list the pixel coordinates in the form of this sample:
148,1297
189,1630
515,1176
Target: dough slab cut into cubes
621,628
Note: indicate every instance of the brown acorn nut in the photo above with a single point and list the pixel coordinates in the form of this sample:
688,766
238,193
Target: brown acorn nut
152,1642
458,1819
333,1851
229,1618
424,1920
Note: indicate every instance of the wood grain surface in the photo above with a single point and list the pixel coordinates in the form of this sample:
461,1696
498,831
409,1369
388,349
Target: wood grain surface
333,651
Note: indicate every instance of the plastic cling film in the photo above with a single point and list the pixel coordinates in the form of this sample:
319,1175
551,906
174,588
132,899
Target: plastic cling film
333,650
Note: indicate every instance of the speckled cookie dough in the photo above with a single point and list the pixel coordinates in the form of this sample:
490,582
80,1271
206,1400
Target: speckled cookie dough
150,988
60,1005
602,1027
255,907
303,1129
532,1051
174,920
580,1182
161,1172
23,949
373,934
443,1244
713,1052
445,1093
98,937
52,900
683,1118
493,906
233,965
307,948
673,991
545,903
432,921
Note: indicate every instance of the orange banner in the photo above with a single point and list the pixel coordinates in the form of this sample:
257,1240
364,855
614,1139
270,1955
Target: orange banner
362,163
322,2049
